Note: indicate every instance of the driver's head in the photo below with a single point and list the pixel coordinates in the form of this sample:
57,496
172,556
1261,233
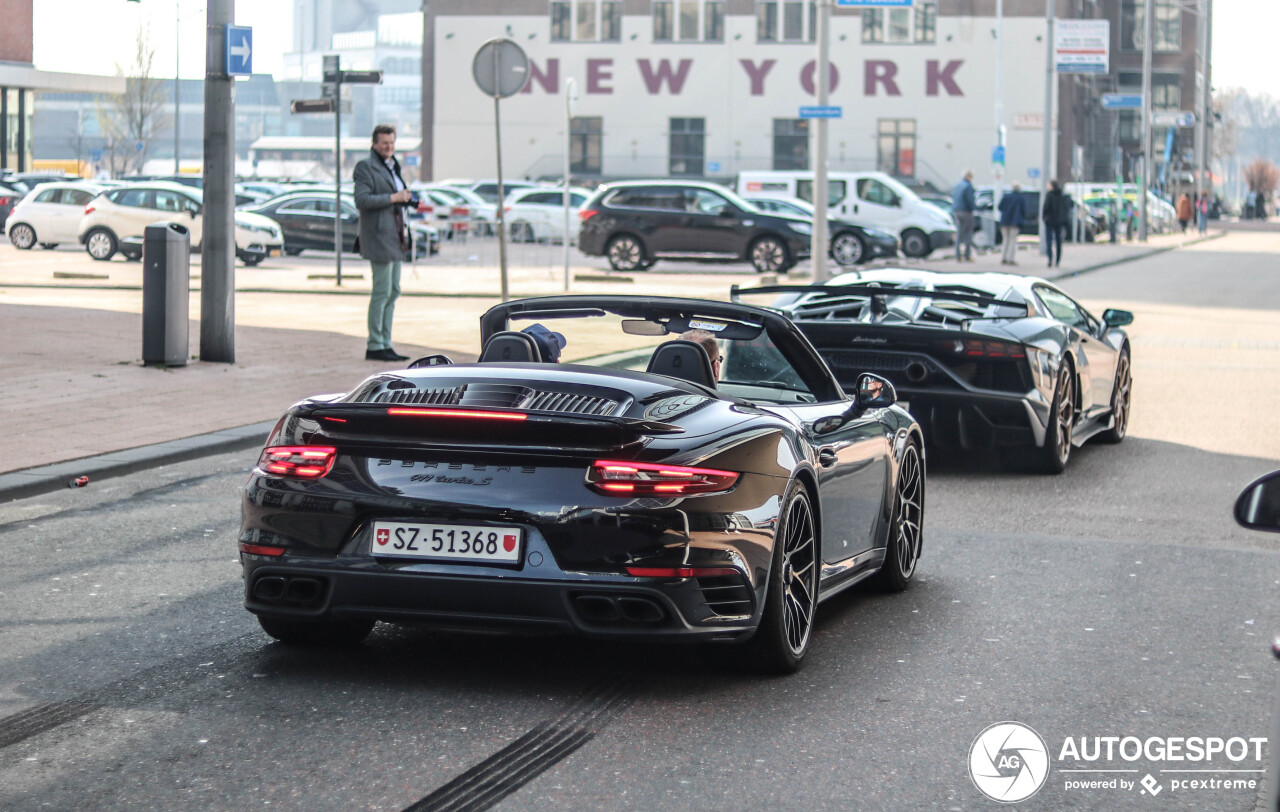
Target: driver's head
708,342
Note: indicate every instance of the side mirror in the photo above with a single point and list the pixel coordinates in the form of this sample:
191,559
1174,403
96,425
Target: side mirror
1117,318
728,211
874,392
192,213
1258,507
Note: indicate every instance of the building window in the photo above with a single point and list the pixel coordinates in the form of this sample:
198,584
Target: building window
687,146
688,20
786,20
1168,25
790,143
918,24
586,136
896,146
586,20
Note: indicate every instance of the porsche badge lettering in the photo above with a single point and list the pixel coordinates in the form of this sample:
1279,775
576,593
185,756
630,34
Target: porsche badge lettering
457,466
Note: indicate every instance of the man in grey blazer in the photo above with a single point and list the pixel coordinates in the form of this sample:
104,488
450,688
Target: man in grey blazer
381,195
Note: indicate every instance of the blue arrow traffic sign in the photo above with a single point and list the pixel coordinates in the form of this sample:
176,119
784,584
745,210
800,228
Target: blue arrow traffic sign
822,111
997,155
239,50
1121,101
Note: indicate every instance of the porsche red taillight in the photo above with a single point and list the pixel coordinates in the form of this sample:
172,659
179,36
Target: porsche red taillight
618,478
587,214
301,461
88,208
471,414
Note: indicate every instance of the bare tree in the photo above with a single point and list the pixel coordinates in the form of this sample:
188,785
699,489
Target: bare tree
1262,176
132,121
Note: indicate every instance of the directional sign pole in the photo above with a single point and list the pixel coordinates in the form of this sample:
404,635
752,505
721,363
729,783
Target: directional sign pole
818,246
502,196
337,172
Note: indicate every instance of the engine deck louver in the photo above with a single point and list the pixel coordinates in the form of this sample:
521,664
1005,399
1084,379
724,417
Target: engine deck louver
501,396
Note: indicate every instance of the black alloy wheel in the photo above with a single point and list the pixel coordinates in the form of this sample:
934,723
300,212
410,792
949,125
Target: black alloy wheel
906,528
1121,395
769,255
847,249
101,244
915,243
1052,457
791,597
316,632
22,236
625,253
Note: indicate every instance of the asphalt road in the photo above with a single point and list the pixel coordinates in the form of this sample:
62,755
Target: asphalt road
1115,600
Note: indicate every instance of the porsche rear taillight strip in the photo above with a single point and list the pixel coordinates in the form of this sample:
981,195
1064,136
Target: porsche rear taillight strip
621,478
457,413
300,461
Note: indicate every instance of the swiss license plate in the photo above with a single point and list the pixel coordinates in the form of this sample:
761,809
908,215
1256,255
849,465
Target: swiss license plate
449,542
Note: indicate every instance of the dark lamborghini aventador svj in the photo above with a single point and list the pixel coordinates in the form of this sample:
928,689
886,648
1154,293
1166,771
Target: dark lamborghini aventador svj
987,362
687,470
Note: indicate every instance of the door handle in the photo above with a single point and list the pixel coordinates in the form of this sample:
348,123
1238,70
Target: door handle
827,457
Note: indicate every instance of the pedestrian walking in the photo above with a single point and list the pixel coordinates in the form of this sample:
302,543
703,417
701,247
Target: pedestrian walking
963,203
1185,211
381,195
1055,217
1013,212
1202,214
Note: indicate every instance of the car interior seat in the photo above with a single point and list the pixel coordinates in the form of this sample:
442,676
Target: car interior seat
509,346
687,360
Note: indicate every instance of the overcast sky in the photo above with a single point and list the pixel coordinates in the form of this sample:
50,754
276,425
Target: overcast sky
75,36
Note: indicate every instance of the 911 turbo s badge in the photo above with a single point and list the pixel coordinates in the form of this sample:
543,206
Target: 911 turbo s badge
450,480
867,340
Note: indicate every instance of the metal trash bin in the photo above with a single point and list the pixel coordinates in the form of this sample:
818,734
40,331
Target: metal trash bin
166,293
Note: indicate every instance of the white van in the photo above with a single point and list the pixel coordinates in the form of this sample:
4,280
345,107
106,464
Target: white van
866,198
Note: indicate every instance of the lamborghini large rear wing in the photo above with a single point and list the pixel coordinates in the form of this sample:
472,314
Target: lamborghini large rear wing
875,291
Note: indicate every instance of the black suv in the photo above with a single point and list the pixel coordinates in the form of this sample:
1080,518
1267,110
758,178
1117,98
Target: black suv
636,223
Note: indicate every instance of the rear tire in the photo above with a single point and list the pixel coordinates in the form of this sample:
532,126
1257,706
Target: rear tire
848,249
626,253
101,244
915,243
791,596
905,540
522,232
1052,457
293,252
316,632
769,255
1121,394
22,236
48,246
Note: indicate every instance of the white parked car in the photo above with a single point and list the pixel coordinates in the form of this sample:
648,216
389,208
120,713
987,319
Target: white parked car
483,214
537,214
50,214
115,220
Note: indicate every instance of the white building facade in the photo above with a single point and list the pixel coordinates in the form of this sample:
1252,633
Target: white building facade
709,88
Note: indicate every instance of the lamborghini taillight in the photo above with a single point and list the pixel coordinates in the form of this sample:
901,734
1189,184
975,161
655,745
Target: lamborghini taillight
620,478
300,461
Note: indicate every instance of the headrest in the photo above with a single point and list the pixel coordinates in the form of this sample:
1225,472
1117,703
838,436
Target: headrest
686,360
509,347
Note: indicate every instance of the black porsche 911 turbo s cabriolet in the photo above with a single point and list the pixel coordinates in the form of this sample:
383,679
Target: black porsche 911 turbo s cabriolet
633,492
984,361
